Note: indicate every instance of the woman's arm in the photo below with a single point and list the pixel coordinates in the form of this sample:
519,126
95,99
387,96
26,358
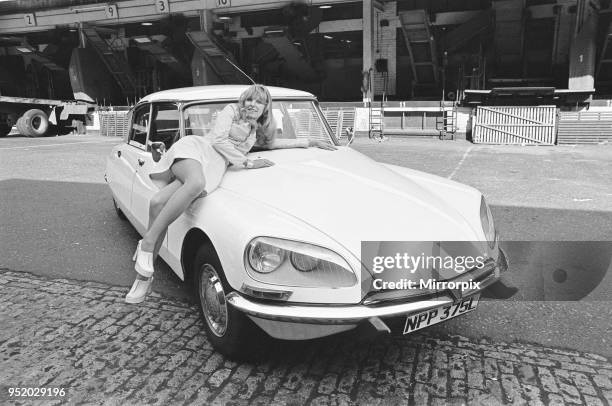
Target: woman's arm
276,143
220,137
267,139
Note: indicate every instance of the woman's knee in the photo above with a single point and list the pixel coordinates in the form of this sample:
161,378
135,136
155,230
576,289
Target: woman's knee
156,205
195,184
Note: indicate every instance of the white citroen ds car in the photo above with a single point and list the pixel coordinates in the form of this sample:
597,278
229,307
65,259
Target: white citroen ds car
281,249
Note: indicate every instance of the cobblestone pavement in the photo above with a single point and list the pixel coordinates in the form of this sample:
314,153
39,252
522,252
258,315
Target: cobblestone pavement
81,336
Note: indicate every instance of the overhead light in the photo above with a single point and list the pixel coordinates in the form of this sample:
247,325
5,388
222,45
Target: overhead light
225,18
325,6
146,24
274,31
143,40
24,50
297,43
72,30
327,36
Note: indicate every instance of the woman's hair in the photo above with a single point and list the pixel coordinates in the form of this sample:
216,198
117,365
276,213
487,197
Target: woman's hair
261,93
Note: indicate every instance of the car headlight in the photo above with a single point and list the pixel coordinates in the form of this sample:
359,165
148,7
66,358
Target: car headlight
265,258
488,226
292,263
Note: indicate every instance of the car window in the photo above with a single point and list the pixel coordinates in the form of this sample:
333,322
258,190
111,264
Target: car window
200,118
165,125
299,119
294,119
139,127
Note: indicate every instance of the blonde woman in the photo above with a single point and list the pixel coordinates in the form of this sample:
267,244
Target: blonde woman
194,166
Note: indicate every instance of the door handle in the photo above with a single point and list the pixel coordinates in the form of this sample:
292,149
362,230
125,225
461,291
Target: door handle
118,154
141,161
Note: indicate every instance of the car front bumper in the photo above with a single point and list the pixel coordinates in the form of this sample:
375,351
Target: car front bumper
302,321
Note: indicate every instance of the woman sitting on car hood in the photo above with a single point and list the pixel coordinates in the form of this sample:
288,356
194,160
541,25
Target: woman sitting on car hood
194,166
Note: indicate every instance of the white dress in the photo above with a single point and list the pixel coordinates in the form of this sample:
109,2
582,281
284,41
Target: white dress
227,143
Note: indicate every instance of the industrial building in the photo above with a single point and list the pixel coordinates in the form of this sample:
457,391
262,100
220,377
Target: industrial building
419,66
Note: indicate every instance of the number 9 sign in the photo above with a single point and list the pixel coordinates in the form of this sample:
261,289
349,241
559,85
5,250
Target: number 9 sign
111,11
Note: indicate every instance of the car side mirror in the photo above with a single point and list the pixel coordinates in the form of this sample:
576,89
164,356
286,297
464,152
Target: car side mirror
348,137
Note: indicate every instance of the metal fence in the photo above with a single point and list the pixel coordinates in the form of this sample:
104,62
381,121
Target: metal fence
515,125
114,123
339,119
585,127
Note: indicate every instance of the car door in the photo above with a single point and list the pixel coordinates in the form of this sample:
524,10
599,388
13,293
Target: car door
164,127
123,162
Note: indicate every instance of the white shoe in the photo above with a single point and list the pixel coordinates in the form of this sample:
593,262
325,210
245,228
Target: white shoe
140,290
144,261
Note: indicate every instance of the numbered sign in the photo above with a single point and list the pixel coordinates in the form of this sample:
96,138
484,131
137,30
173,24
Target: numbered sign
30,19
162,6
224,3
111,11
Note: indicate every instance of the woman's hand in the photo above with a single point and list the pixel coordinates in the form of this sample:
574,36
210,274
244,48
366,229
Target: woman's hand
157,150
321,144
258,163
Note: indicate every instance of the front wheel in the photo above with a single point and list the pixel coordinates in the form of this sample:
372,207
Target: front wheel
229,331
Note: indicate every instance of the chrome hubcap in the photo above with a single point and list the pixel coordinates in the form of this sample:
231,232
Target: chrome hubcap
212,300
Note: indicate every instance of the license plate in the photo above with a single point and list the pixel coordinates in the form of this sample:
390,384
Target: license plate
434,316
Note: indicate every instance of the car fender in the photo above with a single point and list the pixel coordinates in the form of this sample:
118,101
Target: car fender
245,220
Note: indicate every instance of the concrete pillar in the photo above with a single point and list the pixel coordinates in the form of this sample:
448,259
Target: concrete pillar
201,73
509,27
368,46
385,40
564,25
583,47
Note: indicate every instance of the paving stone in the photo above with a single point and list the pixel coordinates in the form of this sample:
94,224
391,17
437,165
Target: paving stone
82,336
592,401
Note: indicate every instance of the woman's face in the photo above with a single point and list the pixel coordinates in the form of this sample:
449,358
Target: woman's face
254,108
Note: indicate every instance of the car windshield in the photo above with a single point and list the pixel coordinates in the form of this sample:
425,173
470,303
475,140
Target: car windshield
294,119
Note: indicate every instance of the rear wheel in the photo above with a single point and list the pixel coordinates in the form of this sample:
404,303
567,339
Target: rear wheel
229,331
33,123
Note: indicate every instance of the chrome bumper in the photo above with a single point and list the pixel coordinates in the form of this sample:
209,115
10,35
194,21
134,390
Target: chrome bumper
350,314
328,314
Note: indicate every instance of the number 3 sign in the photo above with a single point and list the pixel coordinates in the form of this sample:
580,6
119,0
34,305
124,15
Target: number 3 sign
162,6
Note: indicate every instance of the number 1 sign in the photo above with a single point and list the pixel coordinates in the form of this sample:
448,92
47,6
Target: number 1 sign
30,19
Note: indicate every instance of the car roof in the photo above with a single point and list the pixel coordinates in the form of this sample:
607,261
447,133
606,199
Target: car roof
222,92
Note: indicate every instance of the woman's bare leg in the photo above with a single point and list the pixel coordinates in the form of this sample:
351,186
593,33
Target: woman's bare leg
158,201
189,173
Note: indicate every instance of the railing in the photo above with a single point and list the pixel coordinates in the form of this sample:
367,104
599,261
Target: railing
114,123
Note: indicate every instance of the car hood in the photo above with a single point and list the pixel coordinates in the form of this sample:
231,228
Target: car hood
350,198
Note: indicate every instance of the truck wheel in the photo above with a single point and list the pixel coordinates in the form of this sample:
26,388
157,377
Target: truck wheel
34,123
229,331
4,129
19,125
